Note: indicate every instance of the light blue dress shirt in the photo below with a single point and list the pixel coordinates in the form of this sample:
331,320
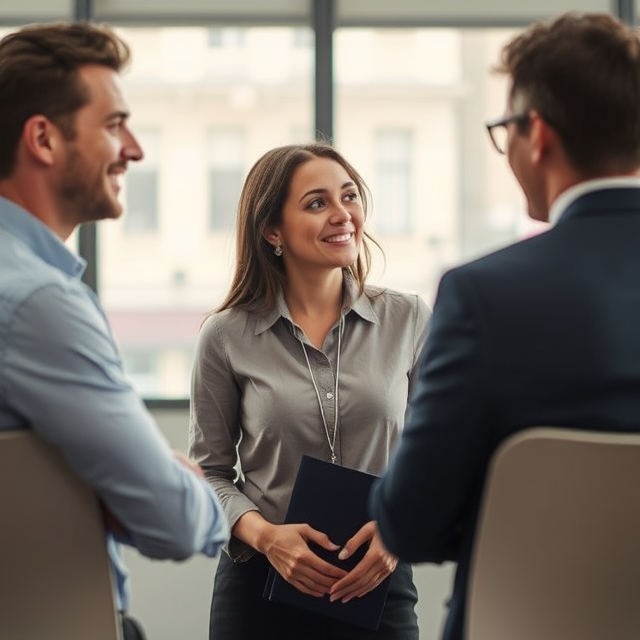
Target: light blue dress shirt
61,375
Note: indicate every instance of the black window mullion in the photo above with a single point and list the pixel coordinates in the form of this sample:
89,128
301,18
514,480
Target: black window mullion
625,10
323,25
87,237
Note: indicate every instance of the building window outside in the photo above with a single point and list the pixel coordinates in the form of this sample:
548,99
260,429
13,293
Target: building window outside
226,171
142,182
393,148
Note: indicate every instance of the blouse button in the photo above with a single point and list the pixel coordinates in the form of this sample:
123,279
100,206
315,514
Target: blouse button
329,395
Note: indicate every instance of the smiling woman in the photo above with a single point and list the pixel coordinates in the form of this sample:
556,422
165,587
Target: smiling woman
322,221
285,367
320,228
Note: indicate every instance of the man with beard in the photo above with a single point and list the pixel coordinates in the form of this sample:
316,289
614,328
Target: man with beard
64,145
545,332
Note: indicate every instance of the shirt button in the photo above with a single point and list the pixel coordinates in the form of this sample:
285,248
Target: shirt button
329,395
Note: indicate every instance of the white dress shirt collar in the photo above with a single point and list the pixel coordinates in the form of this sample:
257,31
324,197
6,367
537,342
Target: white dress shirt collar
562,202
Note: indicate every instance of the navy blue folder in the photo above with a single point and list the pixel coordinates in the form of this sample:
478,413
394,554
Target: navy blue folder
332,499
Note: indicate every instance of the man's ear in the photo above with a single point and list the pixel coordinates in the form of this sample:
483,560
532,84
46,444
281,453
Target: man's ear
41,139
541,135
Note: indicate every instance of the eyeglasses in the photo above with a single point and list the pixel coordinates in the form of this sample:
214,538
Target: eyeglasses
498,130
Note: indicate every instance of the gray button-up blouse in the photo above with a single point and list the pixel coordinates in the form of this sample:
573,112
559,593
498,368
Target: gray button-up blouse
255,410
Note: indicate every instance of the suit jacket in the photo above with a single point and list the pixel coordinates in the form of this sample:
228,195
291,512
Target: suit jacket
544,332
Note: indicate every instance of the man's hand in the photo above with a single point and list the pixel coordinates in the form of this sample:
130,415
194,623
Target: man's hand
189,464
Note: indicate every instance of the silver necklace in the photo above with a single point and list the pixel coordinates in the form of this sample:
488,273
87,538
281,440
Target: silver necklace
331,437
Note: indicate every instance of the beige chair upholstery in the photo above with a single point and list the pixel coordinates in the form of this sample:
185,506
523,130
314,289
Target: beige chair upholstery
557,551
55,577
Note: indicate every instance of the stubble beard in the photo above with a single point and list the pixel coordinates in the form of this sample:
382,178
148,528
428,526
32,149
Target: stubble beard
85,194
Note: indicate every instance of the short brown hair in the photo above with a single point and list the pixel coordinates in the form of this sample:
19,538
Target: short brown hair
581,72
38,75
259,274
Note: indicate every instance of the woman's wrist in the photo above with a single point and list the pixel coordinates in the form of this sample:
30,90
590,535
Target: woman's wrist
254,530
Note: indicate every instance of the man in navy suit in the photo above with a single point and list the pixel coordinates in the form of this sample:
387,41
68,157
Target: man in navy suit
546,331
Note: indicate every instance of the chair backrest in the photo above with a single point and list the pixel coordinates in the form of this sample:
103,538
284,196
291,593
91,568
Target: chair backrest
557,549
55,576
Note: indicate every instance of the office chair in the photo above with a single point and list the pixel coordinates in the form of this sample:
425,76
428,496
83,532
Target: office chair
557,550
55,576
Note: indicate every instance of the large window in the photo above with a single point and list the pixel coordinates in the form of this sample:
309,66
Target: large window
402,89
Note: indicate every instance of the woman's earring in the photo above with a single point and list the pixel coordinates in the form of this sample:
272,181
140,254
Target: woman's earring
278,250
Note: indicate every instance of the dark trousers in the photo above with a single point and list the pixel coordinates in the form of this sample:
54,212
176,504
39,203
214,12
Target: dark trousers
239,612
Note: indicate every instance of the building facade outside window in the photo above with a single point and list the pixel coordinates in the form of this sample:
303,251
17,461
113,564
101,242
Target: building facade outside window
142,185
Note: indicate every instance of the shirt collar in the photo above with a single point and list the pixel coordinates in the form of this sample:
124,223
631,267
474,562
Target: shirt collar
357,301
353,301
566,198
40,240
